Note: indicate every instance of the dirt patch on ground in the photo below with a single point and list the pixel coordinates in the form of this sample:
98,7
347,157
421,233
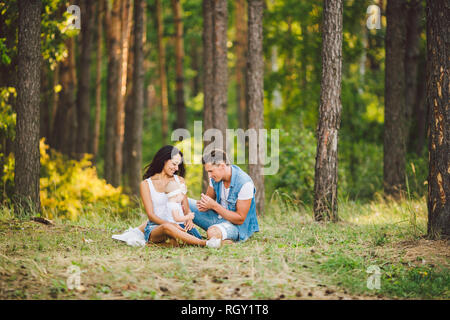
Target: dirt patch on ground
424,251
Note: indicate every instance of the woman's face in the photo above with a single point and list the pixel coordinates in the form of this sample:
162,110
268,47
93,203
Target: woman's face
171,165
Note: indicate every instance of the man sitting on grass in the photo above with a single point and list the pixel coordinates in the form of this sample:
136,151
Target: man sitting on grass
227,210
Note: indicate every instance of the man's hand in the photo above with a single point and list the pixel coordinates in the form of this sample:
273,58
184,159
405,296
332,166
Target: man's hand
206,203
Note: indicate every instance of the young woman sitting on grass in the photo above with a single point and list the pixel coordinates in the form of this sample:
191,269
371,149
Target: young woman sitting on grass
166,166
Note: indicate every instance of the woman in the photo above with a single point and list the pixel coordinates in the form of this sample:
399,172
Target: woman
167,165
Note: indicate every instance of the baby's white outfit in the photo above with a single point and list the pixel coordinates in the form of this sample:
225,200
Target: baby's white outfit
175,205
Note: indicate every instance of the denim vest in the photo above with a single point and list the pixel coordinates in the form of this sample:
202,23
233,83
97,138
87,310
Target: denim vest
238,179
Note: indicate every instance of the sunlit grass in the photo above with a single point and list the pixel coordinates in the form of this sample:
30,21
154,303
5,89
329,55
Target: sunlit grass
292,257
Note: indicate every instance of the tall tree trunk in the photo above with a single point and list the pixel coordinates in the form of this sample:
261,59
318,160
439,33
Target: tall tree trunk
208,77
113,83
54,102
179,57
326,168
220,64
27,162
241,62
45,102
98,80
135,148
438,83
65,115
195,58
162,71
418,131
84,76
122,90
412,55
128,110
394,110
255,80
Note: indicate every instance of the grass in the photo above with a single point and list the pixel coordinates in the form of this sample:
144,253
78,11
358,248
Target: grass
292,257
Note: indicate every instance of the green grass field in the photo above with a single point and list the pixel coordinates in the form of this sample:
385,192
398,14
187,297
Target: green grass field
292,257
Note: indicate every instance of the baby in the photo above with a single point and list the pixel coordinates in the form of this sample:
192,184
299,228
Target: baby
175,194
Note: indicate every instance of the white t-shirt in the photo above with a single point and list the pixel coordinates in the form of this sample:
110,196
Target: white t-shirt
245,193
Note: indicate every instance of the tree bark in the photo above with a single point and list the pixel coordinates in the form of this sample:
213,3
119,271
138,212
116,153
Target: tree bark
255,81
122,90
162,71
84,76
438,72
208,78
179,57
65,115
98,80
326,168
113,29
135,148
45,102
412,55
241,62
220,65
394,111
27,162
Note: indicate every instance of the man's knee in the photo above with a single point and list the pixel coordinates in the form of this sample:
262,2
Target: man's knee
214,232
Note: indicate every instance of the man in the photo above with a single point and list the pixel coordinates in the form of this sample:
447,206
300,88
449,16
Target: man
227,210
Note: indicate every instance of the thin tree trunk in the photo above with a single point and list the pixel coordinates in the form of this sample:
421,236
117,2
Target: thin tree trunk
241,62
179,57
220,65
255,81
54,103
135,148
122,90
412,55
65,115
208,78
128,110
162,71
84,76
438,83
27,162
195,57
394,111
46,93
98,80
326,168
113,83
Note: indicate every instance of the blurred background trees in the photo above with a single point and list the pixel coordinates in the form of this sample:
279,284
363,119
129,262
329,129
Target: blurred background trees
162,64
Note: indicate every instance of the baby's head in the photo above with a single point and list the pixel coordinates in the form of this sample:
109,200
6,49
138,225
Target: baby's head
176,196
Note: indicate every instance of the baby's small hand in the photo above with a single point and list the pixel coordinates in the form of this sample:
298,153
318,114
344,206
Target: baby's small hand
190,216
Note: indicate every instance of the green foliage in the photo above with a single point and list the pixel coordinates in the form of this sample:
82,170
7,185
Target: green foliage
7,114
70,188
296,172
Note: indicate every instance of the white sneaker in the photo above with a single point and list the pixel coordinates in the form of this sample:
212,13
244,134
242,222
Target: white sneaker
214,243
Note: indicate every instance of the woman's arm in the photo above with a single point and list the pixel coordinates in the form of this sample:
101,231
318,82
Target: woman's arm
148,204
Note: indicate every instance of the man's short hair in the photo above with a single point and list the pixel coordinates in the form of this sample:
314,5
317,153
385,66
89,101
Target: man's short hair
216,156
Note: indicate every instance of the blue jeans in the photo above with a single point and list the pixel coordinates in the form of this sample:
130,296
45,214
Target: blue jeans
206,219
151,225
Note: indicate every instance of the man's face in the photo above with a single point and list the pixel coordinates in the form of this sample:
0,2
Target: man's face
215,171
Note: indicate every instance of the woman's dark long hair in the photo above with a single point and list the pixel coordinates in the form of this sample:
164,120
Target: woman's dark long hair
159,160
